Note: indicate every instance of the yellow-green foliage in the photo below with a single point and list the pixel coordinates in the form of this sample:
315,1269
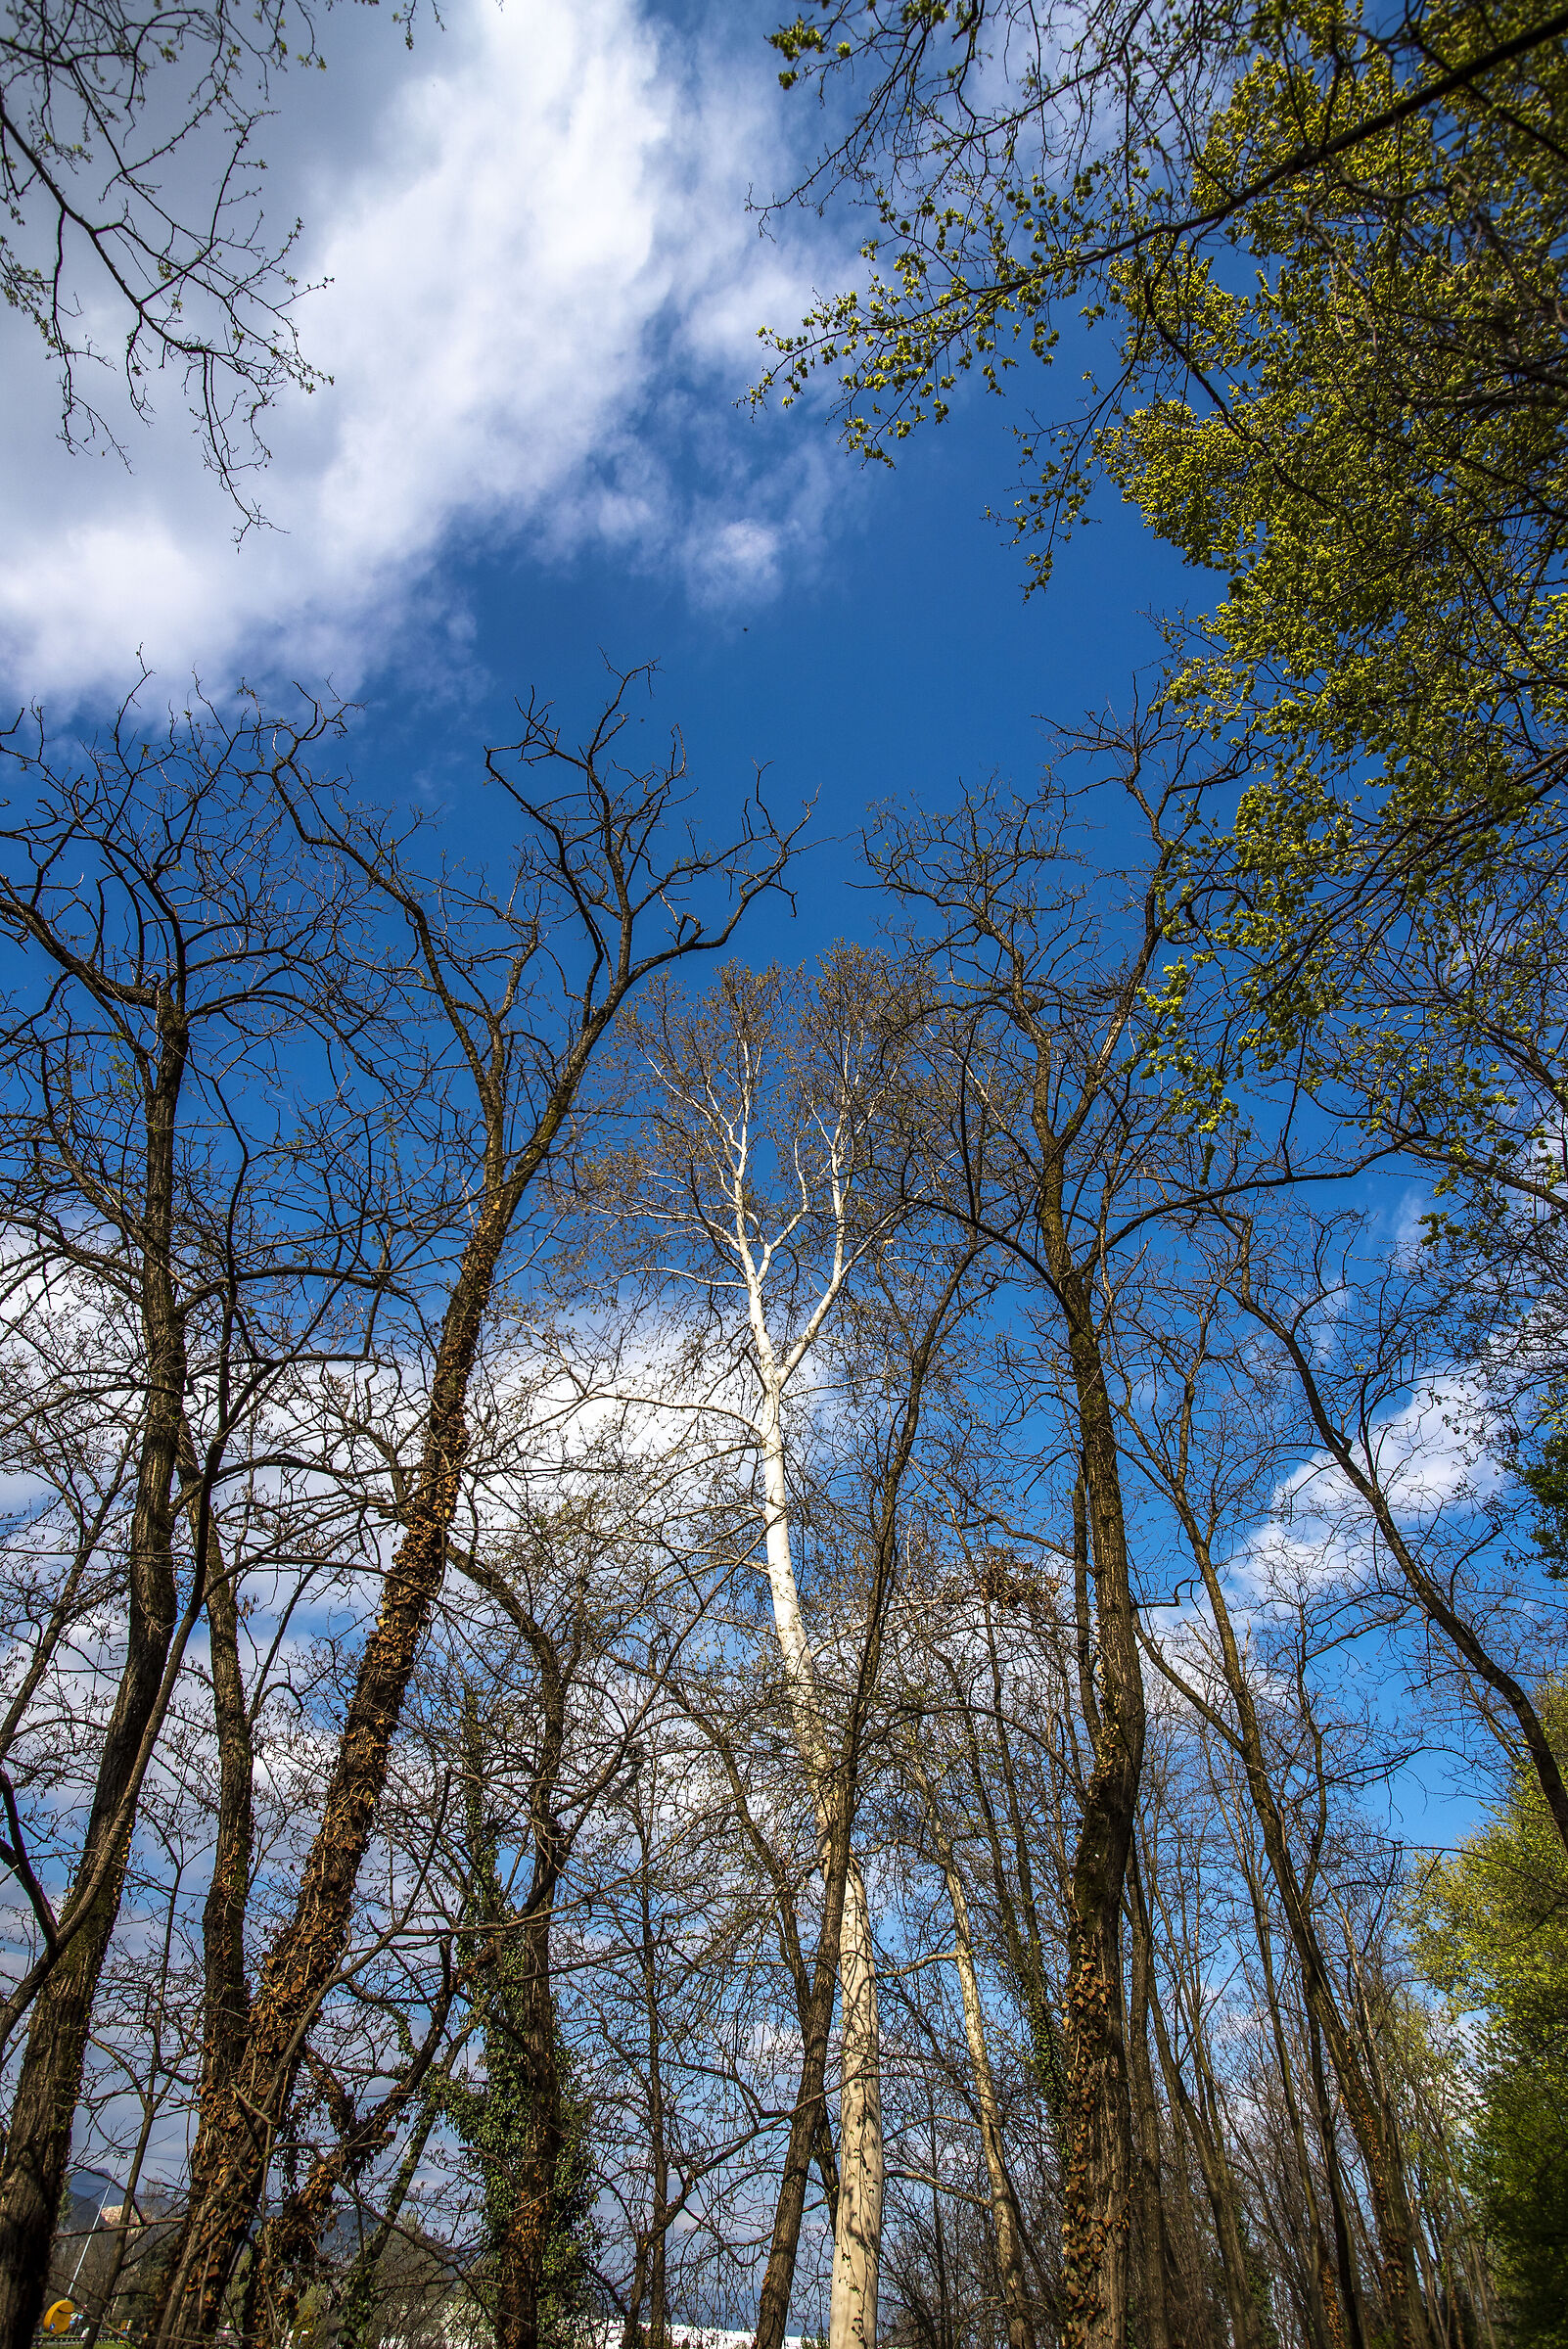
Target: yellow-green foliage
1359,414
1491,1934
1343,388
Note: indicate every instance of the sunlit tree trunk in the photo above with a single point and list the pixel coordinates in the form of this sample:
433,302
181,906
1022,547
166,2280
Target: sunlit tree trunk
857,2236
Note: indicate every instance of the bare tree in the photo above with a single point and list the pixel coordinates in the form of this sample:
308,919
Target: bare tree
167,938
130,169
524,982
1057,1149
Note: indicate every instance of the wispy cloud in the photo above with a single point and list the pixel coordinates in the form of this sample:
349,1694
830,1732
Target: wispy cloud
541,298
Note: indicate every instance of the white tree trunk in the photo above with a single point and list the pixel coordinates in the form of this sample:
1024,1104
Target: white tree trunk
858,2240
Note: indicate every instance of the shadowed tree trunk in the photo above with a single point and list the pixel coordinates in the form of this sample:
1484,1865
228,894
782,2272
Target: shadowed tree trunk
157,893
1053,1146
226,1990
37,2150
243,2107
1154,2261
1098,2182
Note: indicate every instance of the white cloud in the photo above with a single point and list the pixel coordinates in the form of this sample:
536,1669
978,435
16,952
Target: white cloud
543,298
1435,1466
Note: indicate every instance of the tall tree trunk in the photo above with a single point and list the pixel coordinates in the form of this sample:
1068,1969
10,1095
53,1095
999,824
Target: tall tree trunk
1378,2145
522,2254
1338,2199
226,1990
778,2279
237,2136
1026,1948
1006,2222
1219,2185
1324,2317
1154,2320
38,2147
637,2292
287,2253
858,2233
1097,2182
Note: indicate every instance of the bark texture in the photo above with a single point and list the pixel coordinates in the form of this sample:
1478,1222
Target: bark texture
37,2150
246,2109
226,1991
857,2232
1219,2185
1097,2154
521,2255
1156,2265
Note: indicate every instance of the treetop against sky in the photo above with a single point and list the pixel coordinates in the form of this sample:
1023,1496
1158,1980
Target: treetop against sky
528,270
700,1369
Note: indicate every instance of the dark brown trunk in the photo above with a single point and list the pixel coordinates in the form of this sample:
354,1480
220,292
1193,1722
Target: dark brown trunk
1020,1920
1343,2247
658,2295
810,2102
38,2149
1325,2320
1218,2186
238,2133
631,2328
1097,2155
226,1990
1154,2315
521,2255
287,2254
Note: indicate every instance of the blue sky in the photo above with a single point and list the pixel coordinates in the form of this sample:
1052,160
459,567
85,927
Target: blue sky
539,295
905,660
539,287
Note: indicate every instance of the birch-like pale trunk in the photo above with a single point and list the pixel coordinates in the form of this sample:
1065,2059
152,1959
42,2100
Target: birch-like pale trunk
857,2236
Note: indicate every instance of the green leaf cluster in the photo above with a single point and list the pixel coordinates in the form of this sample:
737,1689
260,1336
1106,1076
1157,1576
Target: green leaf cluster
1492,1935
1333,255
1364,428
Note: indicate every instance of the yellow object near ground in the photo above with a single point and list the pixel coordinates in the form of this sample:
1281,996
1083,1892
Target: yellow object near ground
57,2317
